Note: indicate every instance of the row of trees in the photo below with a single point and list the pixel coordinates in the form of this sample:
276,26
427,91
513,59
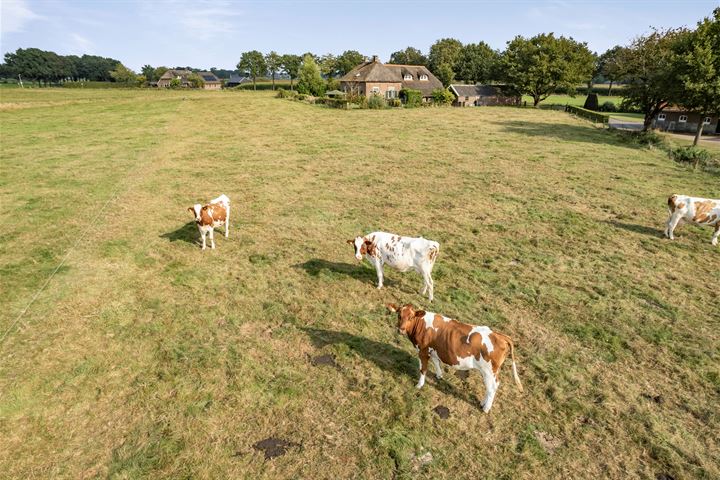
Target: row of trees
43,66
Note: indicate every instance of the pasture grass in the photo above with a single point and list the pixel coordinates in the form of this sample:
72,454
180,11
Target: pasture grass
578,100
145,357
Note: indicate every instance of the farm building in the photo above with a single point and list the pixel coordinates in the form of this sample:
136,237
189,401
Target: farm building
376,78
211,81
674,119
237,79
481,95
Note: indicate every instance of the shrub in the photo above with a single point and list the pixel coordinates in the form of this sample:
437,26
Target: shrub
608,107
591,102
629,108
411,98
332,84
336,103
175,83
395,103
376,102
595,117
694,155
301,96
282,93
442,96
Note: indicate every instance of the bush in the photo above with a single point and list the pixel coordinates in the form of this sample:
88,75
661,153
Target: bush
627,107
608,107
332,84
694,155
595,117
395,102
591,102
442,96
282,93
411,98
301,96
646,139
336,103
376,102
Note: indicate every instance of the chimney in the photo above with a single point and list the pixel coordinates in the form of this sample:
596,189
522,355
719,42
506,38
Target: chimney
375,59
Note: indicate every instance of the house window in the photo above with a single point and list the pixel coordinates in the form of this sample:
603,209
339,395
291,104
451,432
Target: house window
706,121
375,90
661,117
407,77
683,118
391,93
423,77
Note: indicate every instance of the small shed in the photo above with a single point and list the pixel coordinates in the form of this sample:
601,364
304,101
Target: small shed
482,95
673,119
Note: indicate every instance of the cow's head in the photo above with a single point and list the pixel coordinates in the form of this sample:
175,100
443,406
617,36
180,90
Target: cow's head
406,315
360,245
195,210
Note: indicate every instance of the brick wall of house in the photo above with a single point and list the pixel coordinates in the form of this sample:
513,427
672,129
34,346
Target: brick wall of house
383,88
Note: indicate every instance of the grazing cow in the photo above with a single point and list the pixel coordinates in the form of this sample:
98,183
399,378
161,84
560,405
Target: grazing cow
402,253
457,344
214,214
700,211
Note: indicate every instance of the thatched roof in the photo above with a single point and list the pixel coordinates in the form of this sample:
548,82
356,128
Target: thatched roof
375,71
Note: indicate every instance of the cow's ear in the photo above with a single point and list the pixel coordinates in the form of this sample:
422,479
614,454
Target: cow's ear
392,307
191,210
351,242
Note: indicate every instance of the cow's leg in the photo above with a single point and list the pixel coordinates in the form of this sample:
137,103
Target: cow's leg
202,235
379,269
716,234
424,355
671,224
227,221
212,238
436,364
427,278
491,386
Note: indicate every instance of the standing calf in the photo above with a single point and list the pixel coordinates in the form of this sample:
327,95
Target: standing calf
402,253
214,214
457,344
701,211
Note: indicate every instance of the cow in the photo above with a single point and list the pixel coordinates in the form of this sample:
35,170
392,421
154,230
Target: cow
214,214
402,253
700,211
459,345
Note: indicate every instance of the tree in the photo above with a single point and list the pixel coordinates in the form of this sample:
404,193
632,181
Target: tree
545,64
273,61
309,79
122,74
699,66
347,61
195,80
609,65
149,73
409,56
477,63
327,64
291,66
159,72
95,68
444,55
651,75
253,62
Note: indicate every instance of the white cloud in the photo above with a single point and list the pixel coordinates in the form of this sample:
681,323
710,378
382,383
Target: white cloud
14,15
199,20
80,44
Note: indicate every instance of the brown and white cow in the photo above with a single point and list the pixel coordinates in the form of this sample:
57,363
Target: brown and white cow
214,214
402,253
700,211
459,345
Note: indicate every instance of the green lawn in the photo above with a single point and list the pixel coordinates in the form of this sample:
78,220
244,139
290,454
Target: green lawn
145,357
578,100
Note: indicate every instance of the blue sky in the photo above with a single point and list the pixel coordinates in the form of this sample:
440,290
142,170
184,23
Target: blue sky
211,33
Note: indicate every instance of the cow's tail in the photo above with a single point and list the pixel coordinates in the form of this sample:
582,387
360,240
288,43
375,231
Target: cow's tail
222,199
434,252
512,357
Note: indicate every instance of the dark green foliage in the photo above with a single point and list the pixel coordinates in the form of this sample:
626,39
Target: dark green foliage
291,66
443,58
441,96
347,61
591,102
608,107
282,93
588,114
477,63
409,56
411,98
693,154
310,81
253,62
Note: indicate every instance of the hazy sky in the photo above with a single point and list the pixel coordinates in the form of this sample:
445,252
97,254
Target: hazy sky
213,33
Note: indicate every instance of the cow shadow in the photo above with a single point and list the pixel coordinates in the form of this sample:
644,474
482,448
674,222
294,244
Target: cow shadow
319,267
642,229
187,233
389,358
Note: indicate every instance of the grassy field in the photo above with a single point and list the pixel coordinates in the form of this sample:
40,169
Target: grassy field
577,100
145,357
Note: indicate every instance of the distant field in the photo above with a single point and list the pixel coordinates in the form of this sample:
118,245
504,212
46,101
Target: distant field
578,100
147,358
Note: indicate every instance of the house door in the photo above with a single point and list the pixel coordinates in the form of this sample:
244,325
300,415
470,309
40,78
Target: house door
671,127
717,129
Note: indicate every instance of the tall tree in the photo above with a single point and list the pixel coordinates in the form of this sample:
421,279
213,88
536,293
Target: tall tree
309,79
477,63
545,64
291,66
122,74
253,62
274,63
149,73
347,61
651,72
609,65
328,65
699,69
409,56
444,56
